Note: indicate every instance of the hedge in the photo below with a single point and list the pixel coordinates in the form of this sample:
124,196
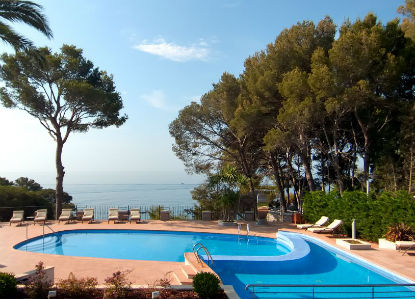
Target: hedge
373,213
16,198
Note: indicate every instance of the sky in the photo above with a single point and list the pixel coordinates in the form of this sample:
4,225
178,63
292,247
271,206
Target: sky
163,55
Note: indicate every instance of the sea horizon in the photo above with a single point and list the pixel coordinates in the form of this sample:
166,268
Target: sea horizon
138,194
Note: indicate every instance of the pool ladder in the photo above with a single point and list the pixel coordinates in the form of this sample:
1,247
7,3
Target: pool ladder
196,249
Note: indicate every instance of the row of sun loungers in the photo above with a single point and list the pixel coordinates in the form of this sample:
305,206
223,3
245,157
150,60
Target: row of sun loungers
40,216
66,215
319,227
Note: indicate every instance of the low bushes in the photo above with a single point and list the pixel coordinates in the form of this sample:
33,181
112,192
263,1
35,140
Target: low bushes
373,213
206,285
399,232
73,287
7,285
117,285
38,285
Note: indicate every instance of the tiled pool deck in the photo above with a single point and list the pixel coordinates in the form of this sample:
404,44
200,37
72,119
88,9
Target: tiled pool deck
147,272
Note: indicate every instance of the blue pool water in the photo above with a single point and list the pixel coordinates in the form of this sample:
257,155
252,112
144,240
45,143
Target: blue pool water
148,245
239,261
319,267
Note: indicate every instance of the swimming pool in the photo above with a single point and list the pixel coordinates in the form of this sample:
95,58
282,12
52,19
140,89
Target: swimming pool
289,259
314,264
148,245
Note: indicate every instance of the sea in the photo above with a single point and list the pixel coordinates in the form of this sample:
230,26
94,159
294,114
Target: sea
148,198
130,194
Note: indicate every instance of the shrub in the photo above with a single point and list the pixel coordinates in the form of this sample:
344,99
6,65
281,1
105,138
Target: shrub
38,285
373,213
164,282
399,232
206,285
73,287
7,285
117,285
154,212
18,198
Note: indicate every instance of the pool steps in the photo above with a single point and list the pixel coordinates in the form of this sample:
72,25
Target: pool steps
190,267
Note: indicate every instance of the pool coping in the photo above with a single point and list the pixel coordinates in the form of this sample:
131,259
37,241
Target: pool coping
287,242
86,266
293,240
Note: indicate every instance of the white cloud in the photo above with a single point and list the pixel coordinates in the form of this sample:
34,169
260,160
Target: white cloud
173,51
156,99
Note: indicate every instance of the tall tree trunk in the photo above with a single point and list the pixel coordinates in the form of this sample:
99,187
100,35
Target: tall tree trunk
411,153
307,168
60,173
322,167
247,170
411,166
335,155
278,179
366,160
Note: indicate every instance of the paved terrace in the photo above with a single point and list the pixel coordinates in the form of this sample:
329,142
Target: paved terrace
147,272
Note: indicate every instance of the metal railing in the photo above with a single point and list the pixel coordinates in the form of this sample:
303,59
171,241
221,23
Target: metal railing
51,229
332,291
196,249
147,212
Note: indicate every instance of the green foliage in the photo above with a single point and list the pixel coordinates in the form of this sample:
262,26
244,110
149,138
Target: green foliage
20,198
50,194
154,212
408,23
8,285
28,184
117,285
373,213
307,108
64,91
206,284
399,232
73,287
27,12
221,191
38,286
208,135
5,182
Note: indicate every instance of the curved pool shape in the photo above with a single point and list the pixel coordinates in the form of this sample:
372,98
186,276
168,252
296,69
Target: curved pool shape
289,259
149,245
315,263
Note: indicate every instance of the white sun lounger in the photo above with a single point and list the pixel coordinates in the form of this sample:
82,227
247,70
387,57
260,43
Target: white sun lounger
40,216
17,217
88,215
329,229
322,221
66,215
113,215
135,215
405,246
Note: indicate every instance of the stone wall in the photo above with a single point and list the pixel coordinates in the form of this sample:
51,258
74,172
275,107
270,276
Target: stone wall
276,217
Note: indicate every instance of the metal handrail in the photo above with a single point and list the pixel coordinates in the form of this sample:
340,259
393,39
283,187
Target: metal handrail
52,230
196,252
371,293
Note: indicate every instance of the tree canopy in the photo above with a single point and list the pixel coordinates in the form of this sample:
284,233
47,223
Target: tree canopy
26,12
311,108
64,91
